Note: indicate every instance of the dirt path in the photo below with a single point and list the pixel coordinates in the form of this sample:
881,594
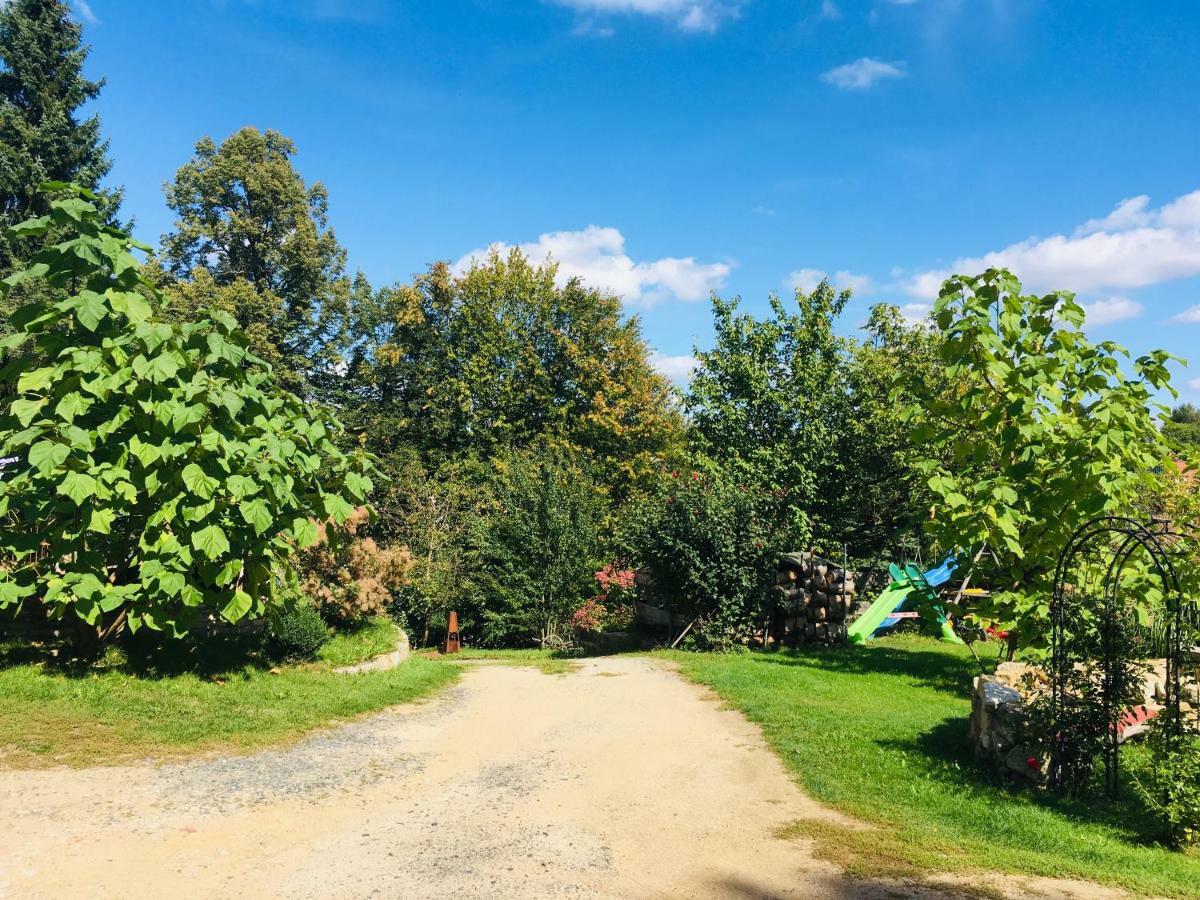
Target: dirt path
618,780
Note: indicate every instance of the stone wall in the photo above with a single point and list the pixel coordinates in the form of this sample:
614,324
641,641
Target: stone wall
998,730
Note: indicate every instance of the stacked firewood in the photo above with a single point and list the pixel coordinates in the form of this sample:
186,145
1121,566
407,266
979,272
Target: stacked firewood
816,599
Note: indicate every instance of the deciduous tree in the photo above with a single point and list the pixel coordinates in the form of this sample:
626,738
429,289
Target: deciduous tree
159,472
246,217
502,357
1046,431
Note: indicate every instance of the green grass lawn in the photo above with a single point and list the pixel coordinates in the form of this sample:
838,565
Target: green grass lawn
122,712
374,637
879,733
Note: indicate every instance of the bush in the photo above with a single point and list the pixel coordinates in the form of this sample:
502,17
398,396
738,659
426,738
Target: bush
710,555
1171,785
539,549
295,630
352,579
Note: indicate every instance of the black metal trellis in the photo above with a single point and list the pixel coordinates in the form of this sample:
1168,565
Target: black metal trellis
1096,632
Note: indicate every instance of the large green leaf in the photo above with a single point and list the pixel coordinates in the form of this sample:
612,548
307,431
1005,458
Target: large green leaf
72,405
78,486
257,513
26,410
101,520
304,531
38,379
197,482
90,309
337,508
238,606
211,541
45,456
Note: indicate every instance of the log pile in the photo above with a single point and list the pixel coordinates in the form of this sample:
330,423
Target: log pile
816,600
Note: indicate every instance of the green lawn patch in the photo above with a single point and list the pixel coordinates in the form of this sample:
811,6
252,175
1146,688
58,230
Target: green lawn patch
372,638
879,733
117,713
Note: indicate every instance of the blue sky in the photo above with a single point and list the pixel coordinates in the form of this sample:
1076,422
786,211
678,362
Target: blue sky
664,148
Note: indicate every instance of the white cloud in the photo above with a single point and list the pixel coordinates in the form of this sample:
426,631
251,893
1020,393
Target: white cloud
1132,247
916,312
86,13
678,369
830,10
863,73
589,28
1190,316
687,15
1131,213
597,256
1194,384
808,279
1115,309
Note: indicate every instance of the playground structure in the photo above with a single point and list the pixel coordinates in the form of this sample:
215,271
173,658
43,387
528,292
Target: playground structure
912,594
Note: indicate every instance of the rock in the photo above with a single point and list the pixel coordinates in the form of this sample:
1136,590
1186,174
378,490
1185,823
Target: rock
1023,761
995,694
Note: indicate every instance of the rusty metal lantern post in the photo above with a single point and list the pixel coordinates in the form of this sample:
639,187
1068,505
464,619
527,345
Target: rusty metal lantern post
453,642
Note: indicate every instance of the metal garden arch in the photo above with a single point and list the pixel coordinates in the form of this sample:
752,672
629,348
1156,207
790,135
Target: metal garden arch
1095,629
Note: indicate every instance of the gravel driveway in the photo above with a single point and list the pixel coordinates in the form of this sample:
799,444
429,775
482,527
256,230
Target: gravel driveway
617,780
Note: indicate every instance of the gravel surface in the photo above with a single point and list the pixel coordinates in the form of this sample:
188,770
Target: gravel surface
514,784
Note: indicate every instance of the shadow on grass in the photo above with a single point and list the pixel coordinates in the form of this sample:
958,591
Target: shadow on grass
941,671
945,758
952,764
149,656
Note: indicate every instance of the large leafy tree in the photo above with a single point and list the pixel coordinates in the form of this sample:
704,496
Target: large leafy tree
767,401
874,495
156,471
502,357
42,134
1182,432
261,236
1045,431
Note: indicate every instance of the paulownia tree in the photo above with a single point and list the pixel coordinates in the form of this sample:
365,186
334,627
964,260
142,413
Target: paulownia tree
1041,431
159,471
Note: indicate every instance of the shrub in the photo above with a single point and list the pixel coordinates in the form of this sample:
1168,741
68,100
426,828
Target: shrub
612,608
352,579
160,471
295,630
538,550
1170,786
709,552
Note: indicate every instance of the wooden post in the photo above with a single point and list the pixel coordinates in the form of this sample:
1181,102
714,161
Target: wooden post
453,643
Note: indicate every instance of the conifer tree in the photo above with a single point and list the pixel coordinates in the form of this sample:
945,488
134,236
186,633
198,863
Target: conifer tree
42,136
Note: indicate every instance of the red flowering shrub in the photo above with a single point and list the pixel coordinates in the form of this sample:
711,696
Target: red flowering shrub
589,616
612,606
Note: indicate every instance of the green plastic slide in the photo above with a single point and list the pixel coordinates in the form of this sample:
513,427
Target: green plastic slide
885,604
909,583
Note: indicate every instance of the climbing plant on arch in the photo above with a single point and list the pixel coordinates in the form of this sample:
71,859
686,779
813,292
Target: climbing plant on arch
1118,601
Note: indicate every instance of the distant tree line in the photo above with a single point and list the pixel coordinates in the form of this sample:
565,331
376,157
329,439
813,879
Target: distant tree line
523,440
